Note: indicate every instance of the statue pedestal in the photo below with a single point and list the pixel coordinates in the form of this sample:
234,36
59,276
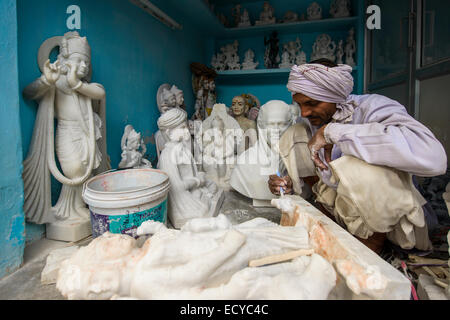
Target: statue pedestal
69,231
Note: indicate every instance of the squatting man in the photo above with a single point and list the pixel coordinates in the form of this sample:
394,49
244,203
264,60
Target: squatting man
365,148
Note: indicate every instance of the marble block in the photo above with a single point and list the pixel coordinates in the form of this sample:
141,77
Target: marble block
69,230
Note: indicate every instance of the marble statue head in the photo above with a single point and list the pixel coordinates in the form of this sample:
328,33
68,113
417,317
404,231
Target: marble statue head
169,99
274,118
173,123
75,50
238,106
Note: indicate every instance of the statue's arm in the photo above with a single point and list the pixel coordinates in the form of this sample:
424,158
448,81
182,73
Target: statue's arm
91,90
36,89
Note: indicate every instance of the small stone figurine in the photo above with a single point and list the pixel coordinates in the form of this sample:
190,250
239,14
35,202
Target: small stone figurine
324,48
248,61
350,48
300,57
340,52
132,157
290,16
314,11
267,15
245,20
340,9
271,56
285,58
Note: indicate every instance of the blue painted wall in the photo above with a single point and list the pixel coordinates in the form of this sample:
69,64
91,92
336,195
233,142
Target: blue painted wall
12,222
274,87
132,55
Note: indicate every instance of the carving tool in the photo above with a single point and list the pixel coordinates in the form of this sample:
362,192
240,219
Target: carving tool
281,189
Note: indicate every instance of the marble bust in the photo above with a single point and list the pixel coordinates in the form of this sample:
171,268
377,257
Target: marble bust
314,11
249,62
324,48
64,92
221,136
133,150
239,109
255,165
340,9
191,194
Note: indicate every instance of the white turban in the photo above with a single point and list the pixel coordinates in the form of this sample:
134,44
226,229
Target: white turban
172,118
326,84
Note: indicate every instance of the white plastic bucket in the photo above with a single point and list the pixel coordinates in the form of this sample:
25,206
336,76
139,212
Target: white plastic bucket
119,201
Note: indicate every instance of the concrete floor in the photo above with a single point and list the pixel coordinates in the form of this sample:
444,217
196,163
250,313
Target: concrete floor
25,283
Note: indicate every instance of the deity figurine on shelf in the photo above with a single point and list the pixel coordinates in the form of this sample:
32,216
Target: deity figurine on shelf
245,20
231,56
300,57
64,92
290,16
267,15
248,63
236,14
340,52
340,9
132,157
215,63
350,48
324,48
285,58
271,55
314,11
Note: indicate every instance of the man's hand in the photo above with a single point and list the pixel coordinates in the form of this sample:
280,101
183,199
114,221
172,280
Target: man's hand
316,143
276,183
51,71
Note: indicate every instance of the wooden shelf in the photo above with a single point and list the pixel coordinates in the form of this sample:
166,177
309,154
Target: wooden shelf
324,25
257,72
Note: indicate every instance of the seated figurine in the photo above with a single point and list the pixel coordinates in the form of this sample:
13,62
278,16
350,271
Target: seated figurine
266,16
131,156
248,63
255,165
314,11
245,20
290,16
324,48
221,135
191,195
340,9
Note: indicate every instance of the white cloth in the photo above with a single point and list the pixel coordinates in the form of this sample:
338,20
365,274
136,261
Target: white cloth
322,83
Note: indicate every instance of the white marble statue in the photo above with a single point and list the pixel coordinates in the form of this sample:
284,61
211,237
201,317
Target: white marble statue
267,15
218,61
300,56
133,150
255,165
179,97
191,195
350,48
324,48
207,259
340,52
63,91
285,58
290,16
221,136
245,20
230,52
249,62
314,11
340,8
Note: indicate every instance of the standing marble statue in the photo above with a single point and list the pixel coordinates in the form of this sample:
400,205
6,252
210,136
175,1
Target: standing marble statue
249,62
350,48
314,11
340,9
340,52
221,136
165,100
271,56
64,91
255,165
191,194
300,57
132,157
324,48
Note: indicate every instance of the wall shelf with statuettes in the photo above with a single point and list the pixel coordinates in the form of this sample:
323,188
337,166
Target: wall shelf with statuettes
324,25
256,72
